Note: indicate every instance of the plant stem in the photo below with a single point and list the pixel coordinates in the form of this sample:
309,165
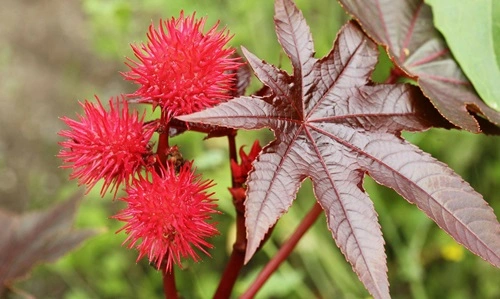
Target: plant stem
395,74
163,146
233,154
169,288
393,77
284,251
212,131
233,267
237,258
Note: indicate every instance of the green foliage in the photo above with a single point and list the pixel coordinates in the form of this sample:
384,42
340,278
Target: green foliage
111,24
495,16
471,31
423,261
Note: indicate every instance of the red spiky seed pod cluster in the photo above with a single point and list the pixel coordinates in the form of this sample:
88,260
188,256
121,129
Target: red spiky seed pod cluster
110,145
182,69
167,216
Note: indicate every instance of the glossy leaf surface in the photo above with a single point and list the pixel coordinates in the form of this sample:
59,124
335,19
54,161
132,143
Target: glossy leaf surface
333,125
407,31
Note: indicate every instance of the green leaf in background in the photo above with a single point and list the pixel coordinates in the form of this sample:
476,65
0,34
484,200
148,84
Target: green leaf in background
495,14
471,29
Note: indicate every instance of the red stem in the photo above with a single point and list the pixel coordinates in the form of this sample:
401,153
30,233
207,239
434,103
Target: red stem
284,252
163,147
393,77
212,131
237,258
169,288
395,74
233,154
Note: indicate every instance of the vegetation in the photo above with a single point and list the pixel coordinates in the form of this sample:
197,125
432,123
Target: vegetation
423,261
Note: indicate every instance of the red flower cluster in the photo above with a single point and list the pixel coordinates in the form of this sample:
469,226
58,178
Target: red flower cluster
240,172
182,69
111,145
169,213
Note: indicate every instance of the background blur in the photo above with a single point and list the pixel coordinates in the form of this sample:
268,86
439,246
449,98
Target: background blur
54,53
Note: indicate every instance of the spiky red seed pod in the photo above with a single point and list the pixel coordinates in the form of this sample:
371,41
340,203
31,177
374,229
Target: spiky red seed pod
110,145
167,216
182,69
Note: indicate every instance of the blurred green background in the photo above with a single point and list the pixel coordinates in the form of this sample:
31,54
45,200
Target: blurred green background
54,53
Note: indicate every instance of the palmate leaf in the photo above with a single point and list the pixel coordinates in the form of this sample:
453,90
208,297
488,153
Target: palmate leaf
35,237
333,125
406,30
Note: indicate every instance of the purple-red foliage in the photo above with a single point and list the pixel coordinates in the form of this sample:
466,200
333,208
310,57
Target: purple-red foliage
332,124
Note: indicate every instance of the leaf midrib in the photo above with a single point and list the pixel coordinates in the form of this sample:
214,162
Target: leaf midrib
332,183
410,182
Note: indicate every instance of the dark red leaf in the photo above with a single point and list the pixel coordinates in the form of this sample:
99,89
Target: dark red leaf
34,237
333,125
242,78
407,31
